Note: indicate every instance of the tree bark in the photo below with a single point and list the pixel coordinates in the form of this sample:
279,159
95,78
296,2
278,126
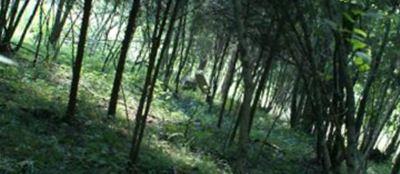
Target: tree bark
70,114
130,30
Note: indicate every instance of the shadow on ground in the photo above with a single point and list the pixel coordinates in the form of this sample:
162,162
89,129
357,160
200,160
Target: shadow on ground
34,139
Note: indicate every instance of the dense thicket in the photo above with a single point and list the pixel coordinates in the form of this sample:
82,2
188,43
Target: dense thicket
329,69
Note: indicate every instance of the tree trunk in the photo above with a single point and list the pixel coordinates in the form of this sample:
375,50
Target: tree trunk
215,75
14,22
145,99
396,165
394,143
226,86
247,69
3,18
27,26
262,82
173,56
60,19
70,114
130,30
184,59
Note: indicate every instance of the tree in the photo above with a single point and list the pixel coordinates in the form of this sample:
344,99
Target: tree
394,141
130,30
9,21
64,8
76,72
226,86
35,9
144,105
247,68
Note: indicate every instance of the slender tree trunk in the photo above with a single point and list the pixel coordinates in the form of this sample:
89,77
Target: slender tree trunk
60,19
396,165
226,86
104,25
11,17
153,80
71,29
40,35
114,47
130,30
140,114
3,18
14,23
167,39
173,56
214,78
261,86
371,78
245,109
76,72
394,142
184,59
27,26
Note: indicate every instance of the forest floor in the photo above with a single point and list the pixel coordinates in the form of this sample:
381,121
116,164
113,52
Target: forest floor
181,136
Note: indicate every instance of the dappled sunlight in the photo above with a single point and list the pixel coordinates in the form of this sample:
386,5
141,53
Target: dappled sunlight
200,87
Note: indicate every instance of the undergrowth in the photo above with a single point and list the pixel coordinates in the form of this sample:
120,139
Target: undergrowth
181,136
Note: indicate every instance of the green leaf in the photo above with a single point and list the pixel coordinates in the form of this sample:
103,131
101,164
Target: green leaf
364,68
358,61
357,45
360,32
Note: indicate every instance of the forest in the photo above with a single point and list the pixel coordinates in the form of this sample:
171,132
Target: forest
200,86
